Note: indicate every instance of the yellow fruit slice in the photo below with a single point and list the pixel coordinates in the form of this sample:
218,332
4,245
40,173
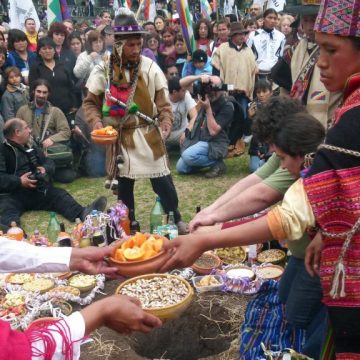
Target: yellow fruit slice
134,253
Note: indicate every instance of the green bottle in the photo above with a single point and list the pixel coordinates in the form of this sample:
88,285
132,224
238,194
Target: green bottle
156,215
53,228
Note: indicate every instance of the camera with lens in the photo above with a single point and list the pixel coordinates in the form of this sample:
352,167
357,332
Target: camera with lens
36,174
202,89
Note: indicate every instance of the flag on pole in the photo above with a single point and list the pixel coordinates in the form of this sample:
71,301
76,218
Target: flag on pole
57,11
205,9
53,12
19,11
182,8
65,13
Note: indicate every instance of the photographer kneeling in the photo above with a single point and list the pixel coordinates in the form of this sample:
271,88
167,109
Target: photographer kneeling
25,176
206,140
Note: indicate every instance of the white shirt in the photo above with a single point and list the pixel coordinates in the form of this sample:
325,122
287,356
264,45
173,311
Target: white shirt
16,256
180,110
267,47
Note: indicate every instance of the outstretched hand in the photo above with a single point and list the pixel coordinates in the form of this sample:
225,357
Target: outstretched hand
182,252
120,313
90,260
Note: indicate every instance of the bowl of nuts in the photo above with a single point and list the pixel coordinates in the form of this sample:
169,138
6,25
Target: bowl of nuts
206,263
163,295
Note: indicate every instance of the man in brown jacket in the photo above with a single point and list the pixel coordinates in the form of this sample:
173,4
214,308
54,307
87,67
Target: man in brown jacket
136,81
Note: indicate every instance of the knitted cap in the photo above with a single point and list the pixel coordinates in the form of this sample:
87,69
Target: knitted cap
339,17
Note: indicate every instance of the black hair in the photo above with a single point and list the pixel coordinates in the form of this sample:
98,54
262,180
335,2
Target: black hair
269,117
39,82
16,35
232,17
76,35
299,134
46,41
29,18
263,84
355,42
268,12
174,84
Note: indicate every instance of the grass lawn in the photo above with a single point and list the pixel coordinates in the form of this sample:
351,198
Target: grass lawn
193,190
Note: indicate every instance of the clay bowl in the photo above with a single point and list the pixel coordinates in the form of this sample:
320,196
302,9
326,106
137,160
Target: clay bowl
11,279
103,139
139,267
269,272
200,265
166,312
273,256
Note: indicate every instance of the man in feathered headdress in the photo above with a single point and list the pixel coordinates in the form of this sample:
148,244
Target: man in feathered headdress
130,93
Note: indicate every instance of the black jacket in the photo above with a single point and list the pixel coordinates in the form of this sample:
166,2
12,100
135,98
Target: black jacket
61,81
14,162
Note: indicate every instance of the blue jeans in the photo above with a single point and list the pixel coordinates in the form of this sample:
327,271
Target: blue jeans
255,163
195,157
302,294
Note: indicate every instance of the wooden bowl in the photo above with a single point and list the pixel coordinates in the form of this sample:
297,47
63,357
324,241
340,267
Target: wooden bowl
227,255
84,288
65,290
15,279
273,256
206,270
166,312
103,139
269,272
139,267
41,285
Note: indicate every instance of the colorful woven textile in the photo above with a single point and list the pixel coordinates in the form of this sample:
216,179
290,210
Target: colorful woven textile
264,323
339,17
332,186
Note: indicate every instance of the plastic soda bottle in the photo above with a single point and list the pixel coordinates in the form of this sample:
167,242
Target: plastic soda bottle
156,215
53,228
15,233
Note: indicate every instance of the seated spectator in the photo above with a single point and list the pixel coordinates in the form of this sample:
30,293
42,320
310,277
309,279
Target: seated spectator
259,152
49,126
91,157
199,64
15,95
25,175
184,110
206,139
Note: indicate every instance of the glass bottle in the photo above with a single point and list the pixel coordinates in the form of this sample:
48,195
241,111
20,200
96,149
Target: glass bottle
156,215
15,233
134,224
172,228
53,228
63,238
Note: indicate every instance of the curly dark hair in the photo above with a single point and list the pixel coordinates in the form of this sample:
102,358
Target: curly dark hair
197,27
59,28
299,134
270,117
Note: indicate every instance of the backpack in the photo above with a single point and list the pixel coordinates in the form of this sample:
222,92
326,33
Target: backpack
236,128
